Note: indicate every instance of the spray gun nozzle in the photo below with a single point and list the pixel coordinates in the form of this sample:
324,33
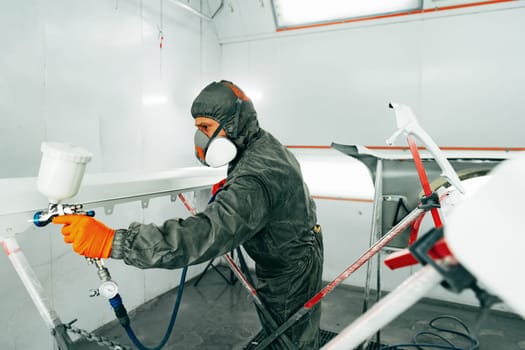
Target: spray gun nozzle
44,217
41,218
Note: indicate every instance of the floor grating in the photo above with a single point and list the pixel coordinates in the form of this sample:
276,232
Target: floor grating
326,336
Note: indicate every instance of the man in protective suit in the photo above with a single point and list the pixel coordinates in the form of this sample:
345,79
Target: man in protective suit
263,205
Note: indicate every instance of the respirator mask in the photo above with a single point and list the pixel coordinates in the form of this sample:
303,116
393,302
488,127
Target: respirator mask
214,151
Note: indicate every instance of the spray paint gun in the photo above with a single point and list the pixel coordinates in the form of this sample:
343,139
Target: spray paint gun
61,171
42,218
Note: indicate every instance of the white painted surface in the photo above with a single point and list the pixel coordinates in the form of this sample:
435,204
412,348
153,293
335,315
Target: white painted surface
330,173
488,247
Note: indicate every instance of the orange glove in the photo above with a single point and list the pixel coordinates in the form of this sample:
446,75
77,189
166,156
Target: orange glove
90,238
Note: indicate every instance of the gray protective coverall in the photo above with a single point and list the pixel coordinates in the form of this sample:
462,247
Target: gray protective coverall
264,205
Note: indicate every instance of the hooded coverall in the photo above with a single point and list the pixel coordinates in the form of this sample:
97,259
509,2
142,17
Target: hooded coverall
264,205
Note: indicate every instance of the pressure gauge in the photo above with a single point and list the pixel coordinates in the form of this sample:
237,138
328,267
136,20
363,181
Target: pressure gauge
108,289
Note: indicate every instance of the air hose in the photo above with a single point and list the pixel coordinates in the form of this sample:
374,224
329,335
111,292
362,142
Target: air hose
122,316
447,344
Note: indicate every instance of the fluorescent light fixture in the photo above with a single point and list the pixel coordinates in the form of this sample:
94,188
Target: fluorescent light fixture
154,100
290,13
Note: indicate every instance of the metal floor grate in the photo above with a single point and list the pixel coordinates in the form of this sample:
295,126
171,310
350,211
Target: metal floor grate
326,336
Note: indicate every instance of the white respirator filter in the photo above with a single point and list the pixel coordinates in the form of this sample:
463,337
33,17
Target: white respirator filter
216,152
220,152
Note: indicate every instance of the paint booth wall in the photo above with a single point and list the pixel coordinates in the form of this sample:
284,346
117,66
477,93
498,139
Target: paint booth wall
93,74
460,70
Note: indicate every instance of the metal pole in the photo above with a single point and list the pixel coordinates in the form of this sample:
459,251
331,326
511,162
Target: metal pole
390,307
36,291
375,233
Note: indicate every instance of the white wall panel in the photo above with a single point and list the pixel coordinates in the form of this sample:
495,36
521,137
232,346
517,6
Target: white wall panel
21,93
89,52
77,73
473,79
330,86
74,71
452,67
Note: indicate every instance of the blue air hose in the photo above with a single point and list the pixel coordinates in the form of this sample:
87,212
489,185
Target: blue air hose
122,315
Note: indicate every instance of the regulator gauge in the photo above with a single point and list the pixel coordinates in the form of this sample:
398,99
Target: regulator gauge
108,289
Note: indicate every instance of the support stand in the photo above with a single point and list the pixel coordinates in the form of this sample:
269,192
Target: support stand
36,292
375,235
228,280
231,280
62,339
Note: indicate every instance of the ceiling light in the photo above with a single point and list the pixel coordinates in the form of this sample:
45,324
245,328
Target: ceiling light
290,13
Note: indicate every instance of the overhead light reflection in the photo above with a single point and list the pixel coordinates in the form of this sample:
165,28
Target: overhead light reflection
301,12
254,95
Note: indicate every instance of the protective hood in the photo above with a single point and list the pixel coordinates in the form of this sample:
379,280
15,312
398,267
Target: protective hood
227,104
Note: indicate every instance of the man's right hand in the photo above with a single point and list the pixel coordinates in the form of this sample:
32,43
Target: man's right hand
90,237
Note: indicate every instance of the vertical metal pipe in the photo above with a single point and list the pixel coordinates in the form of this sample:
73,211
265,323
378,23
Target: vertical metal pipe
379,232
375,232
30,281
